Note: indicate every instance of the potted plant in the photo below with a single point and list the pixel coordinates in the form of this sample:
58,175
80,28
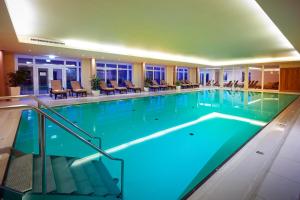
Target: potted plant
178,85
15,80
95,86
147,83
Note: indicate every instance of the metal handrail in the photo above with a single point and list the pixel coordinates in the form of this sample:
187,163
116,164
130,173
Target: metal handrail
55,112
39,111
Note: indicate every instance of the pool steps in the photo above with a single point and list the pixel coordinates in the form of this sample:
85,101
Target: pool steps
90,180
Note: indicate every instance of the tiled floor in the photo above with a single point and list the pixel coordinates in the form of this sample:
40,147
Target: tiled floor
271,176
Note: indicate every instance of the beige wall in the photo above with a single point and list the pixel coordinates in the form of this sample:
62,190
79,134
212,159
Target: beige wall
193,74
170,74
8,66
138,75
290,65
2,77
88,70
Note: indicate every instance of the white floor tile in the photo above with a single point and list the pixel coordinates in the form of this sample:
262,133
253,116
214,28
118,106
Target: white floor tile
287,168
276,187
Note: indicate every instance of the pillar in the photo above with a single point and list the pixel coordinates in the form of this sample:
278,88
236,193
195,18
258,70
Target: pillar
88,71
221,77
138,77
246,79
170,74
175,74
193,74
198,76
262,77
2,77
9,65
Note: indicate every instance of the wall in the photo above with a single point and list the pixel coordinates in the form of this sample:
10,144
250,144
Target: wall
8,66
193,74
137,77
2,77
88,70
170,74
290,79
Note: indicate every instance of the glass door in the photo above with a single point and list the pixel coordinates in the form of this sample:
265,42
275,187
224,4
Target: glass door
27,86
43,81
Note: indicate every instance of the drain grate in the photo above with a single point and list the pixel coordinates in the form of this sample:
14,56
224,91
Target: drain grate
260,152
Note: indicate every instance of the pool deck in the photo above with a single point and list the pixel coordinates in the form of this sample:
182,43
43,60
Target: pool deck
266,168
272,174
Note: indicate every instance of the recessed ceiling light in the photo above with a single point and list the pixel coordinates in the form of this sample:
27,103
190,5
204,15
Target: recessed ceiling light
48,60
52,56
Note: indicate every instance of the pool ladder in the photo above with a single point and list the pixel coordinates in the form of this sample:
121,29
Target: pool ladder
42,116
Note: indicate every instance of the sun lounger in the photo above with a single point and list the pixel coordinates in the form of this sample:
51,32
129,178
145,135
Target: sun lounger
77,89
132,87
116,87
103,88
57,89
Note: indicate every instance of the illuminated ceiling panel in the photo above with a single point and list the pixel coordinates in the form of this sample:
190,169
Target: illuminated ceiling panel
193,31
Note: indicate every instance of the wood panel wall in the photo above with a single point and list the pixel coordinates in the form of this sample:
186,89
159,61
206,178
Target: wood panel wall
290,79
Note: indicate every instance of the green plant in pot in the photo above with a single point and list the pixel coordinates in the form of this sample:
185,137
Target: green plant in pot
15,80
147,84
95,86
178,85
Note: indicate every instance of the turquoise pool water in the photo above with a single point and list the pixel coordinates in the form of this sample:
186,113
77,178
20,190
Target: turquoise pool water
169,143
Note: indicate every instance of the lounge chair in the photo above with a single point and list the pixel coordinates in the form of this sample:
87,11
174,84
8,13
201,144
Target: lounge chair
183,84
271,86
208,83
77,89
131,86
229,84
163,82
116,87
254,85
162,87
193,85
103,88
235,85
217,84
57,89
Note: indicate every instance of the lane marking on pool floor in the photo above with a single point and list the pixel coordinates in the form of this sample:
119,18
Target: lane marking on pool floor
212,115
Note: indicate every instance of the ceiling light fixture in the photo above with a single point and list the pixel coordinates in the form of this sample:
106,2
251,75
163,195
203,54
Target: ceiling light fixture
22,14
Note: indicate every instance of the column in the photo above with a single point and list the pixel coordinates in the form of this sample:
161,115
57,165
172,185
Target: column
8,66
2,76
193,74
221,77
246,78
137,78
198,76
262,77
175,74
170,74
88,71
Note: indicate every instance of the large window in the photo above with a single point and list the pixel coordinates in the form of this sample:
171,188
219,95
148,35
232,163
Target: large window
154,72
114,71
42,69
182,73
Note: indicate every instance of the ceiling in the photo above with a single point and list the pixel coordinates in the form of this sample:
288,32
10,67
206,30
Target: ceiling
203,32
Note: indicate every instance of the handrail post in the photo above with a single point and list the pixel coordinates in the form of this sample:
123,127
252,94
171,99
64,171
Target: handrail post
42,149
44,160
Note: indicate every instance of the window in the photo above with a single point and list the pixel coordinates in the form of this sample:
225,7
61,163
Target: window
71,76
225,76
114,71
155,73
41,70
182,73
